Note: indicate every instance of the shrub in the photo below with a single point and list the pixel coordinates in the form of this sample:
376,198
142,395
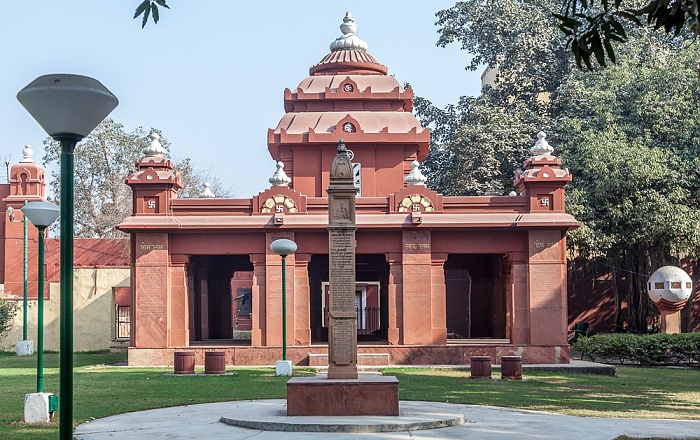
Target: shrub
7,314
656,349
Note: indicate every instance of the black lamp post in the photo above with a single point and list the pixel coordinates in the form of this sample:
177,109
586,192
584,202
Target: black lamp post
68,107
41,214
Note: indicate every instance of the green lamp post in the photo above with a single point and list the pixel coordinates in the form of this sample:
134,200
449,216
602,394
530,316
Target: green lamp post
68,107
284,247
26,348
42,215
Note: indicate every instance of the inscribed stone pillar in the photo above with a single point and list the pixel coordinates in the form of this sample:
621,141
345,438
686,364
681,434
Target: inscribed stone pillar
342,340
548,317
417,289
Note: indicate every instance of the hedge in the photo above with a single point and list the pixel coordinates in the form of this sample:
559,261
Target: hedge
655,349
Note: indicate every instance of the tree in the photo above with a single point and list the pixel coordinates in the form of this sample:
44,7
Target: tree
149,8
476,145
627,133
629,136
518,38
593,26
102,161
7,314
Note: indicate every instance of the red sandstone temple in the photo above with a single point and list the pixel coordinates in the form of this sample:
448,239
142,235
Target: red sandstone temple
439,279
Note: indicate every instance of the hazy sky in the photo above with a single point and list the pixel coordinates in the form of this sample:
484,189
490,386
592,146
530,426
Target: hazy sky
211,74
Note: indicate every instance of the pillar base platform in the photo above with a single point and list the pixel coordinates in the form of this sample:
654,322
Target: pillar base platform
364,396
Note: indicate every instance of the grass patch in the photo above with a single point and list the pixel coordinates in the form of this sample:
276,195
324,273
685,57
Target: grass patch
635,392
102,389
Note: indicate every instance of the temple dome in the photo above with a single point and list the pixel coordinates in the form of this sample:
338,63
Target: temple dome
348,54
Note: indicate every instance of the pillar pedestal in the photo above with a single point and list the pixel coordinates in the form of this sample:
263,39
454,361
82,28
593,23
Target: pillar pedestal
368,395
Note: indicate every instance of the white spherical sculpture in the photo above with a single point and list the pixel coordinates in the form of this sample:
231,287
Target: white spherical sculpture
670,287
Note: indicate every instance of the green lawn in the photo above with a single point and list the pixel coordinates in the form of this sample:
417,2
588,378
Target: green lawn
635,392
101,390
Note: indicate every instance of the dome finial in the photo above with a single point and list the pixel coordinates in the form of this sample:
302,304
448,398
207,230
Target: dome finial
27,154
541,145
280,178
155,148
348,41
207,191
415,177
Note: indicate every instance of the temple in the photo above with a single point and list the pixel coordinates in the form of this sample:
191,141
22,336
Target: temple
438,279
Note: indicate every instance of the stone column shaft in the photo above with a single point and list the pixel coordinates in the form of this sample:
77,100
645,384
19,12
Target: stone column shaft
342,341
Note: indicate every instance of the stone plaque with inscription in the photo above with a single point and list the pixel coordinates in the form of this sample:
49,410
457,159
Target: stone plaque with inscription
342,340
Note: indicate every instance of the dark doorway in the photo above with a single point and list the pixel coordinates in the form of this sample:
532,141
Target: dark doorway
212,296
475,296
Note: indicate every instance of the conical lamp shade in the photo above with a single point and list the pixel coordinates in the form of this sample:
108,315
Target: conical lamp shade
67,104
41,214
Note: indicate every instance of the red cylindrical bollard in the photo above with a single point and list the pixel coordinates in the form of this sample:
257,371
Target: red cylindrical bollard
480,367
184,362
512,367
215,362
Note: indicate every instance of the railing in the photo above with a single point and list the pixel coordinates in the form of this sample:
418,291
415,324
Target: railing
122,321
368,320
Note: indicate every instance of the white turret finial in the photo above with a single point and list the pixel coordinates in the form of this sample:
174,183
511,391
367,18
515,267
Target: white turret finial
415,177
280,178
155,148
27,153
541,145
207,191
349,41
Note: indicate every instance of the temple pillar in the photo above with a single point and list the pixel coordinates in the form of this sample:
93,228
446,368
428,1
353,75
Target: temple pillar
519,304
273,292
258,297
547,265
438,318
151,290
395,300
302,296
179,326
191,293
417,290
204,300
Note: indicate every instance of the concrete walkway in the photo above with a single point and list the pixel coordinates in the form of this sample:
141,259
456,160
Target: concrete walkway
481,422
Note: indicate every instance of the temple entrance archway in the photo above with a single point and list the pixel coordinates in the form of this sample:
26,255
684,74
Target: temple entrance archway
475,296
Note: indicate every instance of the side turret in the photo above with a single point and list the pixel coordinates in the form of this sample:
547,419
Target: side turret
542,179
155,184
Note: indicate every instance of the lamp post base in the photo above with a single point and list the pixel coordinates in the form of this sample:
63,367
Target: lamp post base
38,408
283,368
24,348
